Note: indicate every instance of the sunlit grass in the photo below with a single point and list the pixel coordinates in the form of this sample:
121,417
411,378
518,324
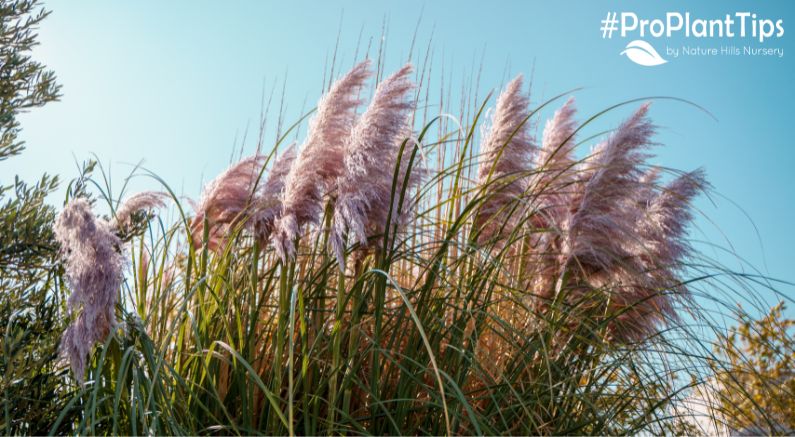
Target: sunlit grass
432,333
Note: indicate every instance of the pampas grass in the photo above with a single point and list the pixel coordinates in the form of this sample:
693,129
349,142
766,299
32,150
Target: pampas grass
515,290
364,190
226,201
146,201
506,154
268,205
555,162
597,230
93,263
319,162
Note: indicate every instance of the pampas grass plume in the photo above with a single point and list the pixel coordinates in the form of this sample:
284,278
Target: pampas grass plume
319,162
92,260
370,156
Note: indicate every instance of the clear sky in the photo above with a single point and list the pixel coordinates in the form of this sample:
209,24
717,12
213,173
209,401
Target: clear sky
175,83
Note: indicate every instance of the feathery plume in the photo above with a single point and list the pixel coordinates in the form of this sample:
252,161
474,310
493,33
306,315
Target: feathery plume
558,142
268,205
370,155
647,296
621,234
550,189
91,256
648,187
226,200
145,201
553,182
319,162
506,151
663,226
596,232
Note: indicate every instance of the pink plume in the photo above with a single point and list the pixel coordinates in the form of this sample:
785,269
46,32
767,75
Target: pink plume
227,200
506,151
558,139
145,201
665,220
320,161
370,157
268,206
90,253
648,290
553,182
596,232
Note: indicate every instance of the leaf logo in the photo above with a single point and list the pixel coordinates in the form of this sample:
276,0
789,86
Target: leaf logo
642,53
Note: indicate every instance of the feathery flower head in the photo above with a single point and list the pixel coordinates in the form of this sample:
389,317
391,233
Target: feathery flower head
620,234
597,230
508,144
320,161
505,154
370,156
558,142
555,175
144,201
648,292
663,223
91,256
226,200
268,205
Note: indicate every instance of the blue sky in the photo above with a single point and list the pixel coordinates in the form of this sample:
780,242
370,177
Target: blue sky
175,83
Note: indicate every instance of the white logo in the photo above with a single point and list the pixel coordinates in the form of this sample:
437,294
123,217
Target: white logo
682,34
642,53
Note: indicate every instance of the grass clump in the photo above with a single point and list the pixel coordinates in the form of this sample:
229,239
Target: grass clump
355,287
